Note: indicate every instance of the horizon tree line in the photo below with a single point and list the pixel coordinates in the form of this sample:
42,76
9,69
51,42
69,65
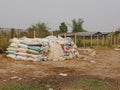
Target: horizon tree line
42,30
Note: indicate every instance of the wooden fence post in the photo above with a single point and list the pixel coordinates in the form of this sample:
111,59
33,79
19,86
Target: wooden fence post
75,38
34,34
111,39
114,40
64,35
117,40
84,41
103,40
97,40
91,41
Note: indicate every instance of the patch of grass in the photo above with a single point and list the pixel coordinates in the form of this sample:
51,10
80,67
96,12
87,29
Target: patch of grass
91,84
21,87
74,84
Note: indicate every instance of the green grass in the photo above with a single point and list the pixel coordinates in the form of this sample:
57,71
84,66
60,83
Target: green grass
80,83
21,87
91,84
87,43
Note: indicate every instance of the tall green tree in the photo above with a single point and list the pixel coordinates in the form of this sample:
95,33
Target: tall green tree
41,30
63,27
77,25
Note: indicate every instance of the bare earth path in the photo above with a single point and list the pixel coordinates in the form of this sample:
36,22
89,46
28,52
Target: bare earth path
106,66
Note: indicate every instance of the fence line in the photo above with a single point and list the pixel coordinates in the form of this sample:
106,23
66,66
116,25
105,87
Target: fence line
95,40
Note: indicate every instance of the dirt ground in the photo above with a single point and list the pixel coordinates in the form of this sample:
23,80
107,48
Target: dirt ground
105,65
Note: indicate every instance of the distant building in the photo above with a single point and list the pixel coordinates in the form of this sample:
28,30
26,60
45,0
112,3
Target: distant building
87,35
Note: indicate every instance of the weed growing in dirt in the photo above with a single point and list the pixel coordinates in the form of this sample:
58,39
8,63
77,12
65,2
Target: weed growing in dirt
91,84
21,87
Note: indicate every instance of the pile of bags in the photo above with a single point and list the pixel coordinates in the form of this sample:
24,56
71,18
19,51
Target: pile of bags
69,51
28,49
42,49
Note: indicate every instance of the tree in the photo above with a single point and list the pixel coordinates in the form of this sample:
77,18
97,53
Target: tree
63,27
40,29
77,25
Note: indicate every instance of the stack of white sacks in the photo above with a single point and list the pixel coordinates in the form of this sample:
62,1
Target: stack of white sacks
28,49
40,49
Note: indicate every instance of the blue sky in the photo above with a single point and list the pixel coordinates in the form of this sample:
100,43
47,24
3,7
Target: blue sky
98,15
